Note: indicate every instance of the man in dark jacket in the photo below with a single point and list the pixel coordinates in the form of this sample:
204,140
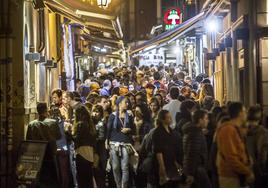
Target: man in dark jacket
43,128
257,144
195,151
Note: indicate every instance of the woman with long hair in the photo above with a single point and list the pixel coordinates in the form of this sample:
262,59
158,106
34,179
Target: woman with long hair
99,123
154,108
206,90
143,123
119,136
84,135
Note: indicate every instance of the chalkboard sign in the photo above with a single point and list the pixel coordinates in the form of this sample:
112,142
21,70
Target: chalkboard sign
30,160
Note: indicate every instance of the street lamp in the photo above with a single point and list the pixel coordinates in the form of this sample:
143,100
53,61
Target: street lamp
212,25
103,3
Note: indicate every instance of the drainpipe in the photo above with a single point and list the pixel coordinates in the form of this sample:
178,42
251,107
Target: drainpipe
29,14
58,38
41,45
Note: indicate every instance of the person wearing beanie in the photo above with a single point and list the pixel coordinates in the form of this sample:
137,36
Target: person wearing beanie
123,90
94,87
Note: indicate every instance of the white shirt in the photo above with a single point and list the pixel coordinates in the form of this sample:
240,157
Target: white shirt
173,107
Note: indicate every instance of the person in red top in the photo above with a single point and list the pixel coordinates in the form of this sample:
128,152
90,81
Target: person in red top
233,162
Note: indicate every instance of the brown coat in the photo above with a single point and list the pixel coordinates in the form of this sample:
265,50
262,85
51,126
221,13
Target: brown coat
232,158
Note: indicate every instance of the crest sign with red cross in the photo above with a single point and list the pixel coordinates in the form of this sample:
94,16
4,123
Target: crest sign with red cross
172,18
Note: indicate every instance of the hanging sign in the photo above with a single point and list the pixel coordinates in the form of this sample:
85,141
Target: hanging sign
172,18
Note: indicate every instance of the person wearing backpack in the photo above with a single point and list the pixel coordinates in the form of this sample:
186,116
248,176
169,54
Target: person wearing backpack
257,143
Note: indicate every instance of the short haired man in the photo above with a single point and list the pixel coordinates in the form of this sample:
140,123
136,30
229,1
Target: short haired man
174,104
57,97
195,158
232,158
43,128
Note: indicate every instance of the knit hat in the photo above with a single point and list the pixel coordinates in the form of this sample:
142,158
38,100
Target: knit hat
123,91
94,86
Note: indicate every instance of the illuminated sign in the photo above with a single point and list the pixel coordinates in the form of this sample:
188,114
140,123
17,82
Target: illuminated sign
172,18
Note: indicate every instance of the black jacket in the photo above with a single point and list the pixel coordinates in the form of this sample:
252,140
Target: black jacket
114,134
195,149
82,136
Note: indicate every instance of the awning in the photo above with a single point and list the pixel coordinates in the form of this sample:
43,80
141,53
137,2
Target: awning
171,35
86,15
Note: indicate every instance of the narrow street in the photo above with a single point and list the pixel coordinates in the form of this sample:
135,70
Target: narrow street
134,93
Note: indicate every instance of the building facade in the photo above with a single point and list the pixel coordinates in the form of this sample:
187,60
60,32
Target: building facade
239,65
41,46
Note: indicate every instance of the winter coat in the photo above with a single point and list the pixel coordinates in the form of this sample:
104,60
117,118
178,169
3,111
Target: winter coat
194,149
46,130
83,137
257,144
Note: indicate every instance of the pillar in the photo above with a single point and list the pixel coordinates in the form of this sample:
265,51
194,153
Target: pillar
11,87
251,64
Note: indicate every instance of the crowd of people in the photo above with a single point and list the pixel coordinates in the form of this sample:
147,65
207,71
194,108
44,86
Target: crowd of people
151,127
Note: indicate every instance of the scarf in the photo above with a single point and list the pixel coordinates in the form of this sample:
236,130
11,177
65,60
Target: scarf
117,120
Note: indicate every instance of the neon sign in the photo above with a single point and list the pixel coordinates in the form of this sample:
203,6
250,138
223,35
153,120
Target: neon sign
172,18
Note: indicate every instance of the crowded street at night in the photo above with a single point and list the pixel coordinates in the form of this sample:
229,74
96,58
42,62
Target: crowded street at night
134,94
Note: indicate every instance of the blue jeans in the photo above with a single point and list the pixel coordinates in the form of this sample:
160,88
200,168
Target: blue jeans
120,163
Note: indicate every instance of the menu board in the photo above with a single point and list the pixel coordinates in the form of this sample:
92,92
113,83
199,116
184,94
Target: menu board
31,155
